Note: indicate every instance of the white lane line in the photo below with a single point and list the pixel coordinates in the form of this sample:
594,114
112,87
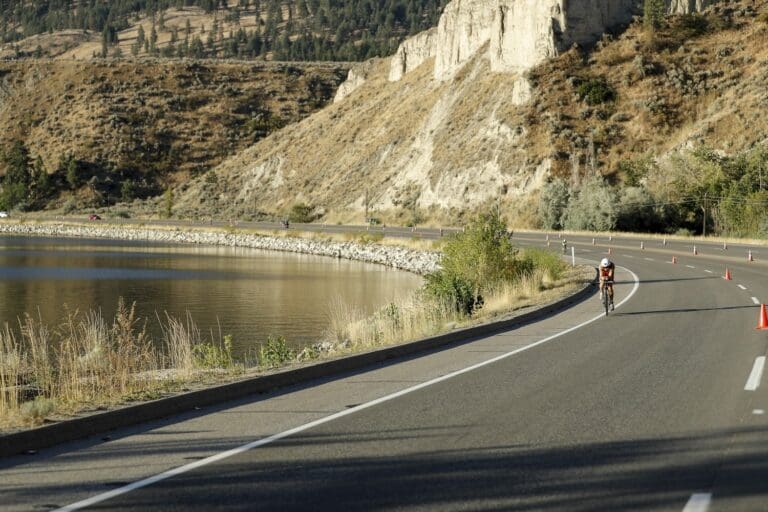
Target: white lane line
755,300
753,382
690,266
628,256
301,428
742,287
698,502
649,259
758,412
708,271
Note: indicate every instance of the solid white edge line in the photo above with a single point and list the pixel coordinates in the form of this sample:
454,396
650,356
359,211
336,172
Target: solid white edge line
742,286
690,266
753,382
698,502
755,300
301,428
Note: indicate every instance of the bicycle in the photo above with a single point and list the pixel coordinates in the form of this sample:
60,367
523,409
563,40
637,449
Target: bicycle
606,297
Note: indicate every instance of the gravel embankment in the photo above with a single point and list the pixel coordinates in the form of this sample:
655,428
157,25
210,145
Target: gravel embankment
411,260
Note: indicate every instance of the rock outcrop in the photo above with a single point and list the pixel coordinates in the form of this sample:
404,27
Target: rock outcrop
522,33
356,77
412,53
464,27
688,6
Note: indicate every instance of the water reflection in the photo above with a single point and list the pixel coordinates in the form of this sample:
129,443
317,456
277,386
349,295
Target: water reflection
244,292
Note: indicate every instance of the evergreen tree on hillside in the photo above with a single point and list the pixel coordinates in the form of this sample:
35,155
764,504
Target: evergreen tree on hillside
18,177
654,12
353,29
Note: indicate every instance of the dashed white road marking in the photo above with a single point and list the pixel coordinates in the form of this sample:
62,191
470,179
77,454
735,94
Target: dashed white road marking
742,287
753,382
755,300
698,502
690,266
707,271
649,259
758,412
628,256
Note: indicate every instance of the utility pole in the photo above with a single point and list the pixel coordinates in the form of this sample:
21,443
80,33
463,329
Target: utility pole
704,217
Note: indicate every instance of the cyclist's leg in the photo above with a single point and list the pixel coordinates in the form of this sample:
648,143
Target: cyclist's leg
610,293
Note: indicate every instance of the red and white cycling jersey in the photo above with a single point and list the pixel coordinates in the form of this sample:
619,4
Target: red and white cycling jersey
607,272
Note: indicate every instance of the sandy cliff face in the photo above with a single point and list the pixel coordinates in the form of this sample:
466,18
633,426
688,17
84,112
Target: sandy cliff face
451,122
688,6
412,53
464,28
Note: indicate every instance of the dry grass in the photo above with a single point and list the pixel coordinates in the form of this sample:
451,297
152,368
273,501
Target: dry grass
86,363
418,316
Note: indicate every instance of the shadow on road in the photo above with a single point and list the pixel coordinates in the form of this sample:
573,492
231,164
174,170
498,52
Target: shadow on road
681,310
372,470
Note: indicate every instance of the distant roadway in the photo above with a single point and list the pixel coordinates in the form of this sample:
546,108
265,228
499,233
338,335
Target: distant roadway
660,406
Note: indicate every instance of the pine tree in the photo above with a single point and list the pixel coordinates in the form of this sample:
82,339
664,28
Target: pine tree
654,12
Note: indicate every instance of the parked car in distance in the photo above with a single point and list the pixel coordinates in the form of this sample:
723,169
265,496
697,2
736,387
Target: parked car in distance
3,215
93,216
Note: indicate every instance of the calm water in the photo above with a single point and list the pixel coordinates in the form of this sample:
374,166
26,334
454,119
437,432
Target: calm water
249,293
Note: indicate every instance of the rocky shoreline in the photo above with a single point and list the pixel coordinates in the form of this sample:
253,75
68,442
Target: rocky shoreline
411,260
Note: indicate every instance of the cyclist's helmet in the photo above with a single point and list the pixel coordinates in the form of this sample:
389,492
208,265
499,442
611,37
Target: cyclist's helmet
605,262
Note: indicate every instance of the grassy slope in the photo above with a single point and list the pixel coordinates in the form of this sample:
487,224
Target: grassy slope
161,120
464,142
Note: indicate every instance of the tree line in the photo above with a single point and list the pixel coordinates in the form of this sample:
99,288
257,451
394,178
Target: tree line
287,29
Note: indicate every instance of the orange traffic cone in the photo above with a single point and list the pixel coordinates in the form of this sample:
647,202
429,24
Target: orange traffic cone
749,256
763,320
727,276
609,250
674,260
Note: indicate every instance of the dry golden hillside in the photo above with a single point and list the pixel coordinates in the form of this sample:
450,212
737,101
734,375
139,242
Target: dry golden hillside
430,149
150,122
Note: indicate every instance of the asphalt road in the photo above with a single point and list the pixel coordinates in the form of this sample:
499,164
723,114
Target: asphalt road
656,407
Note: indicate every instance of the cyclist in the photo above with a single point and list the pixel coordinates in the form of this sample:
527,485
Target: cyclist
607,269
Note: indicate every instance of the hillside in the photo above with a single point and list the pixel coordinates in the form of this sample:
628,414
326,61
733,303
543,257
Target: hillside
109,131
476,120
243,29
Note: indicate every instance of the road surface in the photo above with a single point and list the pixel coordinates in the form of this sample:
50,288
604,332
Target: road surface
659,406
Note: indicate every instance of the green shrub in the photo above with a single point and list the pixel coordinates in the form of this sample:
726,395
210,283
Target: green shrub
301,213
592,208
474,262
275,353
596,91
370,238
35,411
453,291
552,203
548,261
212,355
693,25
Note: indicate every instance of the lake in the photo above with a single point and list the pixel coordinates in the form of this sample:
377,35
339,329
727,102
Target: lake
248,293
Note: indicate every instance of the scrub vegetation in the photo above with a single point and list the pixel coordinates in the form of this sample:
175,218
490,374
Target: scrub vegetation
483,275
87,363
